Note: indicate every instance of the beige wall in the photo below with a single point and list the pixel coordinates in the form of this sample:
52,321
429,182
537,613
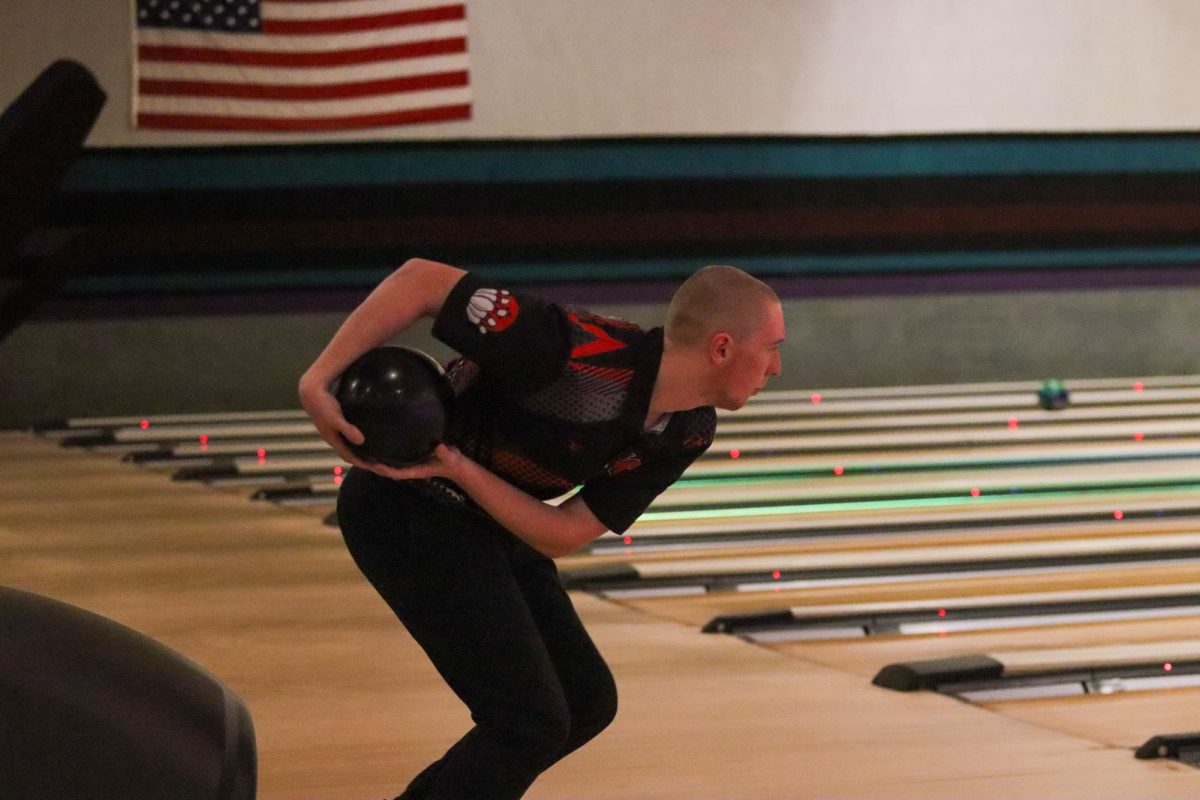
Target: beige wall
157,365
564,68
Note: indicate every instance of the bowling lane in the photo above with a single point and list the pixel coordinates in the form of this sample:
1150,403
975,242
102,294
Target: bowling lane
1131,383
856,542
1012,430
317,471
975,483
697,611
900,560
1080,401
789,421
866,657
81,425
956,457
945,426
773,521
1119,719
311,455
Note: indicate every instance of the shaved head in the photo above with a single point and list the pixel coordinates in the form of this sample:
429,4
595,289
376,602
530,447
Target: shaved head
716,299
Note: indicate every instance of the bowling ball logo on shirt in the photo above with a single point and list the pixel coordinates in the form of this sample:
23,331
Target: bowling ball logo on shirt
492,310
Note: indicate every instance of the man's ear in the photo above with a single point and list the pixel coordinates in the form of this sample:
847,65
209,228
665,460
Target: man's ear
720,347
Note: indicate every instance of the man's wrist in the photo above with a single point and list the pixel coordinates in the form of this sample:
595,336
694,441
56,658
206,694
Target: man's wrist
459,468
312,382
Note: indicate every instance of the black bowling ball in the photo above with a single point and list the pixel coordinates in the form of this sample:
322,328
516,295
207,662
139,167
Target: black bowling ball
400,399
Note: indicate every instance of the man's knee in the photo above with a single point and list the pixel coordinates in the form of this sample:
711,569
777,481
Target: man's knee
540,731
598,711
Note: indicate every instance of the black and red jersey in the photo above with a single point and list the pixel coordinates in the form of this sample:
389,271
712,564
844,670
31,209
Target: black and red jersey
551,398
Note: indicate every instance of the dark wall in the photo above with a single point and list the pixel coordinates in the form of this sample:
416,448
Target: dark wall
214,275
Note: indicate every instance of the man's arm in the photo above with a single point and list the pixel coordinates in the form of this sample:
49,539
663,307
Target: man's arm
419,289
415,290
551,530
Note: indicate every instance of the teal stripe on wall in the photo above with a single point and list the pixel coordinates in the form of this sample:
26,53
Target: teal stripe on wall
317,276
599,160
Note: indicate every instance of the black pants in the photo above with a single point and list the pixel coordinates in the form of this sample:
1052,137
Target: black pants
491,614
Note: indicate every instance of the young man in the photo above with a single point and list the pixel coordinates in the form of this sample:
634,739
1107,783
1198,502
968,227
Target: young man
547,399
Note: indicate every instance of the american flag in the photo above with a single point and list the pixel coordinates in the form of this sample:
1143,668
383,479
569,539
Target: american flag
299,65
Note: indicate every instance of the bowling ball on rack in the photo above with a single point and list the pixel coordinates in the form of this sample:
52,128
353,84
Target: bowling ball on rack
1053,395
400,399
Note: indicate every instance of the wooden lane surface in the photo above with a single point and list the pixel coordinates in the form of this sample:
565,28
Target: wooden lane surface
696,611
766,437
866,657
966,508
299,455
1118,720
796,738
864,542
964,469
998,434
844,543
917,400
799,517
266,600
1122,653
775,426
794,421
1147,383
959,457
969,510
798,421
345,706
1108,389
900,485
895,560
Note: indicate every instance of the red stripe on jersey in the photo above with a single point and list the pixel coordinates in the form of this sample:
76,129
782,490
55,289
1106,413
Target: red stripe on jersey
603,343
618,377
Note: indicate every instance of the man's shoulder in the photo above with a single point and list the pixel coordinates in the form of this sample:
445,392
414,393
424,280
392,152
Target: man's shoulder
606,320
585,325
695,428
604,340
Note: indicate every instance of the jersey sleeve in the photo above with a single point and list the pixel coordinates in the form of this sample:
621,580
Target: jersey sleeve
517,340
634,478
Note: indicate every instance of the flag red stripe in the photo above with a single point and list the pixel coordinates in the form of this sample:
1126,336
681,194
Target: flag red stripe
396,19
327,58
192,122
326,91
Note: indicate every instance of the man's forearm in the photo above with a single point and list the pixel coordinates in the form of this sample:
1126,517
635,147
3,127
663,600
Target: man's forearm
415,290
551,530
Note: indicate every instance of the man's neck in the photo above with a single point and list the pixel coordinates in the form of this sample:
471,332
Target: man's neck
680,385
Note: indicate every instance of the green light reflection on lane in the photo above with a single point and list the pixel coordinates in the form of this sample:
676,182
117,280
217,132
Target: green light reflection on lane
782,475
883,505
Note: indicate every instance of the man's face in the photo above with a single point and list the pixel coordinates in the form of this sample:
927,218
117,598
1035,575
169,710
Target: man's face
753,359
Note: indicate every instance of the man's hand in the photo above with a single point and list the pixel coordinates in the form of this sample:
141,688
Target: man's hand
326,413
417,289
445,462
